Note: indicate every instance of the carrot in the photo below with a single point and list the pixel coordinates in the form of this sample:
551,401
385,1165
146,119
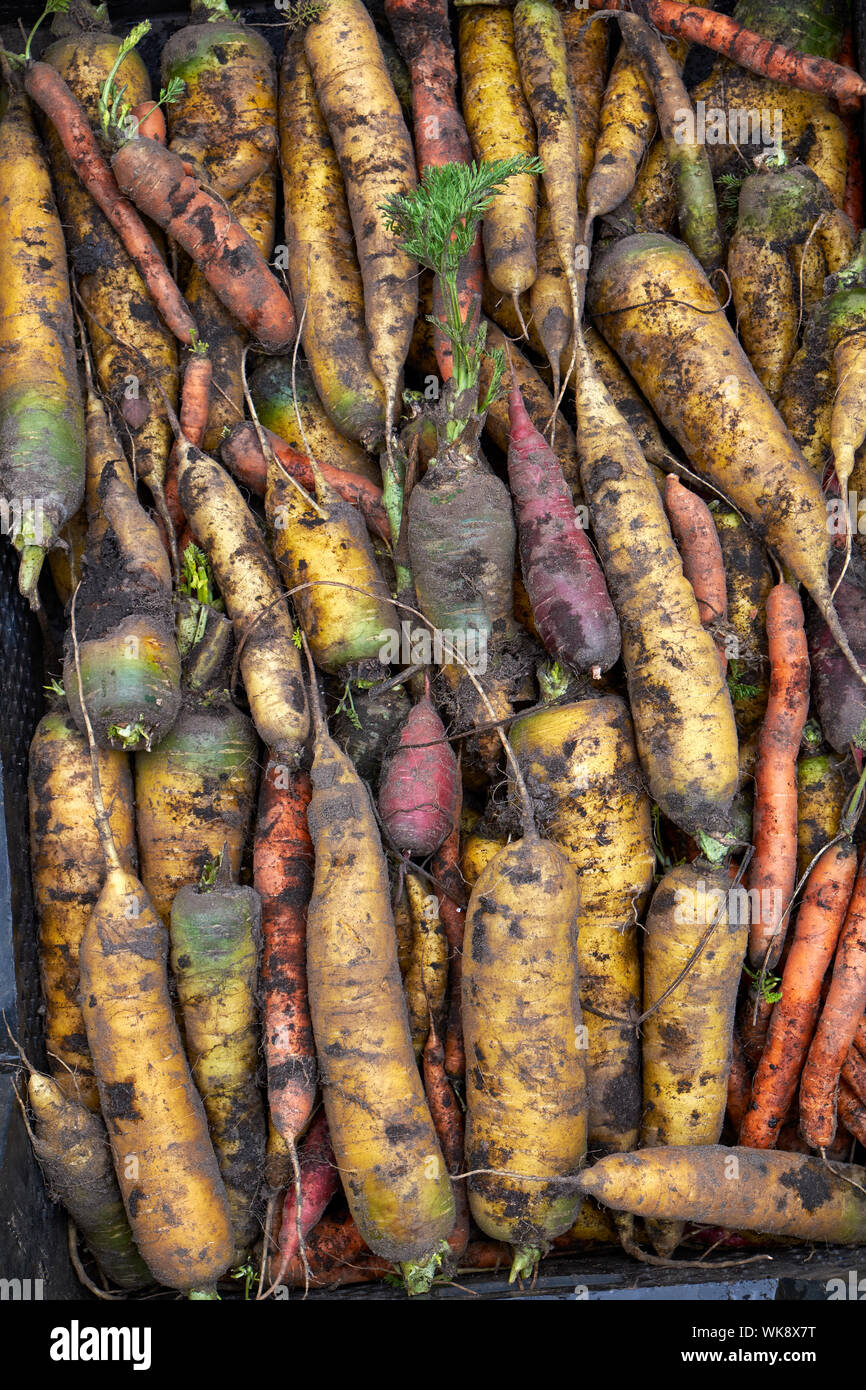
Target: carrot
47,88
819,923
525,1074
286,401
748,581
194,408
248,581
821,797
749,50
155,179
739,1085
679,327
326,560
451,896
627,124
215,936
786,1194
425,974
242,454
687,1033
423,36
586,47
580,761
651,594
448,1119
67,868
698,543
570,603
696,198
364,117
840,1016
194,793
550,309
151,121
418,788
128,655
336,1255
131,344
542,57
165,1164
852,1112
385,1144
323,268
780,211
773,871
500,125
42,445
283,877
223,124
854,1072
305,1205
72,1148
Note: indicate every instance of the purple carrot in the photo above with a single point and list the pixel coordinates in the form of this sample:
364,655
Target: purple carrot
570,603
420,783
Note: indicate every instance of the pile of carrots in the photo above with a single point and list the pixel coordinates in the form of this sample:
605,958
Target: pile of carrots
446,824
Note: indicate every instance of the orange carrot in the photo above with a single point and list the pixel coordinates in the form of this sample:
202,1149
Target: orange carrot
194,407
819,922
448,1119
451,896
242,455
746,48
852,1112
283,877
773,871
854,1073
423,36
698,543
203,225
151,121
739,1085
837,1025
46,87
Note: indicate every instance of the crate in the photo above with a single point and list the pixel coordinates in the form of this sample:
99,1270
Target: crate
33,1240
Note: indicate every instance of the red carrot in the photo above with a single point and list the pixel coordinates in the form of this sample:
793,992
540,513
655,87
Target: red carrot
837,1026
283,876
698,543
564,581
242,455
419,786
46,87
320,1182
746,48
155,179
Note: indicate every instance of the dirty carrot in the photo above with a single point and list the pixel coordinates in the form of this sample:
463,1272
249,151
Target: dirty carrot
773,872
819,923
